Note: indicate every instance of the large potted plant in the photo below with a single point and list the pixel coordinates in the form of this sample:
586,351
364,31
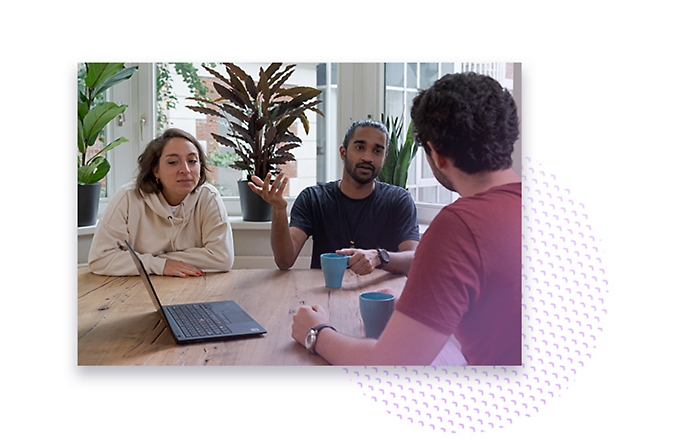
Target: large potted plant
94,113
399,155
258,116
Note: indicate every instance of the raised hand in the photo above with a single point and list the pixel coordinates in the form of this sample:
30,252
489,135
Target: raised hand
271,192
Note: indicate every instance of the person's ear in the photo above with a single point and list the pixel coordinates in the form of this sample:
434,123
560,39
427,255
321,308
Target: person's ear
439,160
342,152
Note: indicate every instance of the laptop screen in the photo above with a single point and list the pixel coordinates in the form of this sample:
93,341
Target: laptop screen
145,278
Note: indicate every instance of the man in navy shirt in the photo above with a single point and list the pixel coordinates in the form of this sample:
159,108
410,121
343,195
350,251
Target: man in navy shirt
373,222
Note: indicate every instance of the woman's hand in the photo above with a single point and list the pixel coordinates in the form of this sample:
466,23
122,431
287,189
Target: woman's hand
178,268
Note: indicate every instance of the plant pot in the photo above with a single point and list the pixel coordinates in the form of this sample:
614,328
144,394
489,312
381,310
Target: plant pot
88,203
253,207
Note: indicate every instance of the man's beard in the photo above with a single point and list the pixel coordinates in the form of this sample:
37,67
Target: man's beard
362,179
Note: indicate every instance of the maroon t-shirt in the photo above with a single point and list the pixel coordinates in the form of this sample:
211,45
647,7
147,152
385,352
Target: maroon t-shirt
466,276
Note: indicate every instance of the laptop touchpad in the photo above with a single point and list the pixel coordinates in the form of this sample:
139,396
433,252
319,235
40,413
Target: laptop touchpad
236,317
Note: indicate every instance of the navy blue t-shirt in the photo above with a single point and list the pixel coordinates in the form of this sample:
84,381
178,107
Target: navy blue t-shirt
384,219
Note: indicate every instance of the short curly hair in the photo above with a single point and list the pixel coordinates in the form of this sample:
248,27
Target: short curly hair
150,157
469,118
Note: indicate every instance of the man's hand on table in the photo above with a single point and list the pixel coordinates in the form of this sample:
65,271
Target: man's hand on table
361,262
305,319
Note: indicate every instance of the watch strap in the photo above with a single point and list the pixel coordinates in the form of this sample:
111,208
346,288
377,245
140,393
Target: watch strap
383,261
321,326
316,330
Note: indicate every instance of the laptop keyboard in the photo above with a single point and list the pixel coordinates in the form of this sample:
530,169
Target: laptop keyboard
198,320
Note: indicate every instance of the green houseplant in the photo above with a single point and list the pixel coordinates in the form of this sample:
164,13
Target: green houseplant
94,113
399,156
258,115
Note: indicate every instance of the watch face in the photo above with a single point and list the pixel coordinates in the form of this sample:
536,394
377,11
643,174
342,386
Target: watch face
384,258
310,339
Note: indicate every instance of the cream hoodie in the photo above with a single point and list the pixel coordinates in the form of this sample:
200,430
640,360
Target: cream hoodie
198,233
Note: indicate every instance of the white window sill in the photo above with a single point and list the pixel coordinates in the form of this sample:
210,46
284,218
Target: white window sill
237,223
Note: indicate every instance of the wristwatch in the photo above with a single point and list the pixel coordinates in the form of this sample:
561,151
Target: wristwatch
384,258
310,339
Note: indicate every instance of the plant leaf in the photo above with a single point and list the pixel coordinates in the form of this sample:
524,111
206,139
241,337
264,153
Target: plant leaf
275,77
246,79
285,148
94,171
411,140
401,169
110,146
83,108
305,122
275,87
259,117
206,111
263,87
273,67
225,141
97,73
235,82
116,78
82,148
232,95
216,74
98,117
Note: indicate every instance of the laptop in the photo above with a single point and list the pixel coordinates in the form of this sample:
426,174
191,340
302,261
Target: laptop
200,322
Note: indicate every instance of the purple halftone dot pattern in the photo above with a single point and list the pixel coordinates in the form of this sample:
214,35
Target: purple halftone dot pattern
563,303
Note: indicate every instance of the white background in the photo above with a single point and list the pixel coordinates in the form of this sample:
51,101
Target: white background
600,111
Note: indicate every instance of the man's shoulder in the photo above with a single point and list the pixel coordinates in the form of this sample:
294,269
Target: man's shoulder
390,188
392,192
320,190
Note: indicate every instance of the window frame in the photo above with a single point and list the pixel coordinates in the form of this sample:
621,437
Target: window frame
361,94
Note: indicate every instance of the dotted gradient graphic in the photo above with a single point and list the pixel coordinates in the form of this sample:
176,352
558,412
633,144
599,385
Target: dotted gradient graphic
563,294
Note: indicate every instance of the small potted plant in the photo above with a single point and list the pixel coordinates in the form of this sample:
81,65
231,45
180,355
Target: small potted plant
399,157
94,113
258,116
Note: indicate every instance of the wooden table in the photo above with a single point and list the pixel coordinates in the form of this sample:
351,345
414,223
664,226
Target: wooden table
118,325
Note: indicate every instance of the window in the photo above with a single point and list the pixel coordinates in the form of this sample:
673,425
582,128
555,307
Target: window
349,91
173,99
326,128
402,83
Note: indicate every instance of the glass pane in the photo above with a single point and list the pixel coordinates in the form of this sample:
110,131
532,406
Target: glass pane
394,74
411,180
413,193
428,74
321,141
407,111
427,194
425,170
334,73
321,74
412,75
394,102
445,196
447,68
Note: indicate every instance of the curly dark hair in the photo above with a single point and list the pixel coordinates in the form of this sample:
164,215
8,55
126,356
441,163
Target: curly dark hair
469,118
148,160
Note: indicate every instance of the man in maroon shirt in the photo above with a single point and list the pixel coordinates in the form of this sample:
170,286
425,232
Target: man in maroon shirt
465,280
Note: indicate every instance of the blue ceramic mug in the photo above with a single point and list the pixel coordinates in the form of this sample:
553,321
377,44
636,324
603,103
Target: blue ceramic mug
376,309
333,266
